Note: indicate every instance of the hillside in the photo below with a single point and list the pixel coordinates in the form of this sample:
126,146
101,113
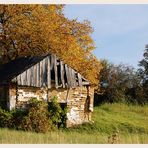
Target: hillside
128,123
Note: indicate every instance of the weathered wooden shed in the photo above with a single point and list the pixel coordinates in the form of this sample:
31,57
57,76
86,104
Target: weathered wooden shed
44,77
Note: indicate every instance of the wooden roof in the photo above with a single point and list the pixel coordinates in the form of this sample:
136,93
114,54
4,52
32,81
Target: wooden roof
41,71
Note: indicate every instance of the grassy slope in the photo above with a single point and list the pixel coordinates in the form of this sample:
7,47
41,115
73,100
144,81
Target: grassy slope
130,121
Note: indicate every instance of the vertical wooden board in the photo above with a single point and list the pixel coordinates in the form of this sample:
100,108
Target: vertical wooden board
26,78
29,75
52,61
41,73
34,73
38,75
62,74
70,77
30,70
67,75
44,72
23,78
80,80
48,73
55,71
74,78
18,79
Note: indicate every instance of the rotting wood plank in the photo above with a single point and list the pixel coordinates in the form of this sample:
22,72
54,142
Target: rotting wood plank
48,73
55,71
43,76
38,75
68,76
24,78
80,80
74,78
62,74
33,79
31,76
52,61
18,80
41,73
35,74
45,72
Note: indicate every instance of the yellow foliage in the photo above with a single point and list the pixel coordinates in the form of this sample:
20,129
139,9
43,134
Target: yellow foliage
39,29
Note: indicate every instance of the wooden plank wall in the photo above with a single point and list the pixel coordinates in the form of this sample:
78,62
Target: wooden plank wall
39,75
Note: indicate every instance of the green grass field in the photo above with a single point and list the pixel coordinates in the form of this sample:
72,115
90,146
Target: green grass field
128,122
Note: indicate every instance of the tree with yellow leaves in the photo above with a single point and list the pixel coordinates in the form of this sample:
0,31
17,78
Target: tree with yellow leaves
39,29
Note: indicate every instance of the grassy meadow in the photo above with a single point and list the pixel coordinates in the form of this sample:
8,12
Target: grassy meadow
112,123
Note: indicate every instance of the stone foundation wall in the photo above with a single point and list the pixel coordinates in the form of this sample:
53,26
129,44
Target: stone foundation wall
21,95
79,110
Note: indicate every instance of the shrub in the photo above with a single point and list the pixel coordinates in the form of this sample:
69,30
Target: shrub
37,119
5,118
17,117
57,114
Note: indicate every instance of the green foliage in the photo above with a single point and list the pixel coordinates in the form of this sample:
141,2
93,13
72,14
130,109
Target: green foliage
37,119
143,72
57,114
17,117
120,83
5,118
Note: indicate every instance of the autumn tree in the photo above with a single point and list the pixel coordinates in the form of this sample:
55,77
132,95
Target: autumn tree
40,29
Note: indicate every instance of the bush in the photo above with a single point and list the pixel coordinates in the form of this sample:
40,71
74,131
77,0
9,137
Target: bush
37,119
5,118
17,117
57,114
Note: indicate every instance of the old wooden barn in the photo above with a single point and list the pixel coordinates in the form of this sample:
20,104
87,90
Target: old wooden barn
44,77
